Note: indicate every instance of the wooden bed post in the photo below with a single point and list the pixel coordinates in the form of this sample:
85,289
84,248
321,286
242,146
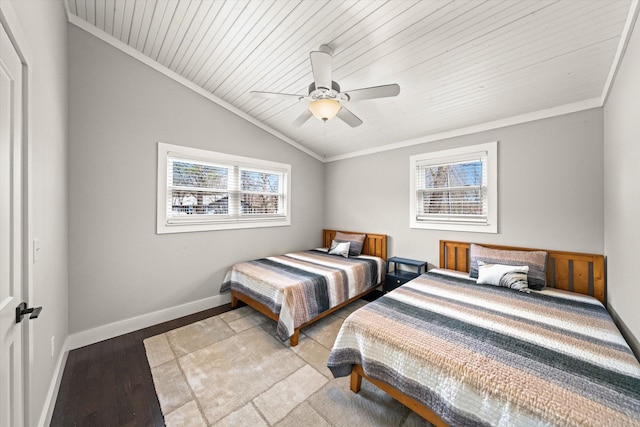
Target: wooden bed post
356,379
293,341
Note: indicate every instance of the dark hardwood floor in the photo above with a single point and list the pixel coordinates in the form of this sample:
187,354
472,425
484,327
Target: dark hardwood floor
109,383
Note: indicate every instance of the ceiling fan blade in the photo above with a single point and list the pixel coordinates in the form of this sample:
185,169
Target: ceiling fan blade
373,92
348,117
302,118
276,95
321,68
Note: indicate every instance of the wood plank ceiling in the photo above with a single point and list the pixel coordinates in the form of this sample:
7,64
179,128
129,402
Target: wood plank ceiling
458,63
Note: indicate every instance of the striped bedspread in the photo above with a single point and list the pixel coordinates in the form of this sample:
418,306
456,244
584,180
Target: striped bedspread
485,355
301,285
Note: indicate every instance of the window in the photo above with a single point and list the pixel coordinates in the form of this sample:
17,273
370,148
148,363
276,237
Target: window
455,189
202,190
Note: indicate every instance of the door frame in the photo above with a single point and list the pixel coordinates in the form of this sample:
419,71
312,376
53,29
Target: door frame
11,25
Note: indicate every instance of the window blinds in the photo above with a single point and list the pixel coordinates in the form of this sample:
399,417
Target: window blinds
452,189
203,191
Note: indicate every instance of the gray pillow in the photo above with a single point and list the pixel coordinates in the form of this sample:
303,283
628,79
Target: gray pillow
356,240
536,260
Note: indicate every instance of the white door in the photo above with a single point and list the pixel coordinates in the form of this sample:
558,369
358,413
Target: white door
11,234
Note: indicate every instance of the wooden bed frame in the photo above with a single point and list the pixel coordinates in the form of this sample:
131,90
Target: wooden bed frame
572,271
374,245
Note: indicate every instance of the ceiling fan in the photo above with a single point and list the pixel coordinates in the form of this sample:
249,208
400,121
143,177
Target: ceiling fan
326,100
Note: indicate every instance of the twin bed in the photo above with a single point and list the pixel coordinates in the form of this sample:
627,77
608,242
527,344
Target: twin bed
457,352
299,288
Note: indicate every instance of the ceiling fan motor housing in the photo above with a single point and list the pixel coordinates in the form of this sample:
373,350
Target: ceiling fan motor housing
325,93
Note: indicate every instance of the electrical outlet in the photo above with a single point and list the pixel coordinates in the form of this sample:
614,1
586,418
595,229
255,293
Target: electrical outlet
36,249
53,346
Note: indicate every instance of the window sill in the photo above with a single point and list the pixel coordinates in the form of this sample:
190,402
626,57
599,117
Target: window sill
213,226
471,228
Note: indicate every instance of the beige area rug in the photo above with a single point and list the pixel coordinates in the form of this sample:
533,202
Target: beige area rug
232,370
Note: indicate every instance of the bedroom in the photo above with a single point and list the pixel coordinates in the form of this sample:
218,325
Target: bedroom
99,264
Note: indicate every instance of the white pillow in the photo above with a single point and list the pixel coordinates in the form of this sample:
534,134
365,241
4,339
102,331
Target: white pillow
509,276
341,249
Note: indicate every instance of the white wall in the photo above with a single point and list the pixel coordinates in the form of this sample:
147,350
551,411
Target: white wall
550,185
622,188
43,24
119,267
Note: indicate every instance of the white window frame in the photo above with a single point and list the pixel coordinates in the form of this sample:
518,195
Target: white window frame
169,224
445,156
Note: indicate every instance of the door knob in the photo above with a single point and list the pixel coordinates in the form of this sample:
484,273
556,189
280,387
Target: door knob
22,310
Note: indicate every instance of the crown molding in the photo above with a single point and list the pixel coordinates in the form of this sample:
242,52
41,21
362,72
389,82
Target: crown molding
622,47
509,121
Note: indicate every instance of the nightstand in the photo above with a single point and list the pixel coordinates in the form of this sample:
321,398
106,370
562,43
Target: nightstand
397,277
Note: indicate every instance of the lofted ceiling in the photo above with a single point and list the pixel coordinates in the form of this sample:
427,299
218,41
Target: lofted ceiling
459,64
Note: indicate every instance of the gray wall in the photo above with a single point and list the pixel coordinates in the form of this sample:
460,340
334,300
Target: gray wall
622,189
550,189
119,267
44,27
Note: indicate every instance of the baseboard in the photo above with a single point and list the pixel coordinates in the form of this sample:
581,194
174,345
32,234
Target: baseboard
54,387
105,332
626,332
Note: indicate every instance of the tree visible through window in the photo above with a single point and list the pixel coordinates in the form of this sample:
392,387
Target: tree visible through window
204,187
260,192
198,188
452,189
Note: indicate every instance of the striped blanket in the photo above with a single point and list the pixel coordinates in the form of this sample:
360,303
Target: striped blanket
485,355
299,286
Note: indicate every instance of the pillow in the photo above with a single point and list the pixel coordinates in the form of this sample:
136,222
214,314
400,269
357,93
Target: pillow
508,276
356,240
341,249
535,260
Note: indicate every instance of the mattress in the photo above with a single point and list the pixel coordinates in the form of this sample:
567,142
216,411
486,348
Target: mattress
486,355
301,285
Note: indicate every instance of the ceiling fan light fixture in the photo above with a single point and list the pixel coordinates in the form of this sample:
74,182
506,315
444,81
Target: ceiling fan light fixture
324,109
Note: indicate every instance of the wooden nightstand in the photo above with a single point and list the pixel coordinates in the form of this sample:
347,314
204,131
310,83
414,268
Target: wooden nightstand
397,277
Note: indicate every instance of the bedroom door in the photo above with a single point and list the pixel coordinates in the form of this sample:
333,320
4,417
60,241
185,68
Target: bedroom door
11,234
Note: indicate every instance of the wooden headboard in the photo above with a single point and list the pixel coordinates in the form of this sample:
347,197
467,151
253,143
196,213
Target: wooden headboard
374,244
571,271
